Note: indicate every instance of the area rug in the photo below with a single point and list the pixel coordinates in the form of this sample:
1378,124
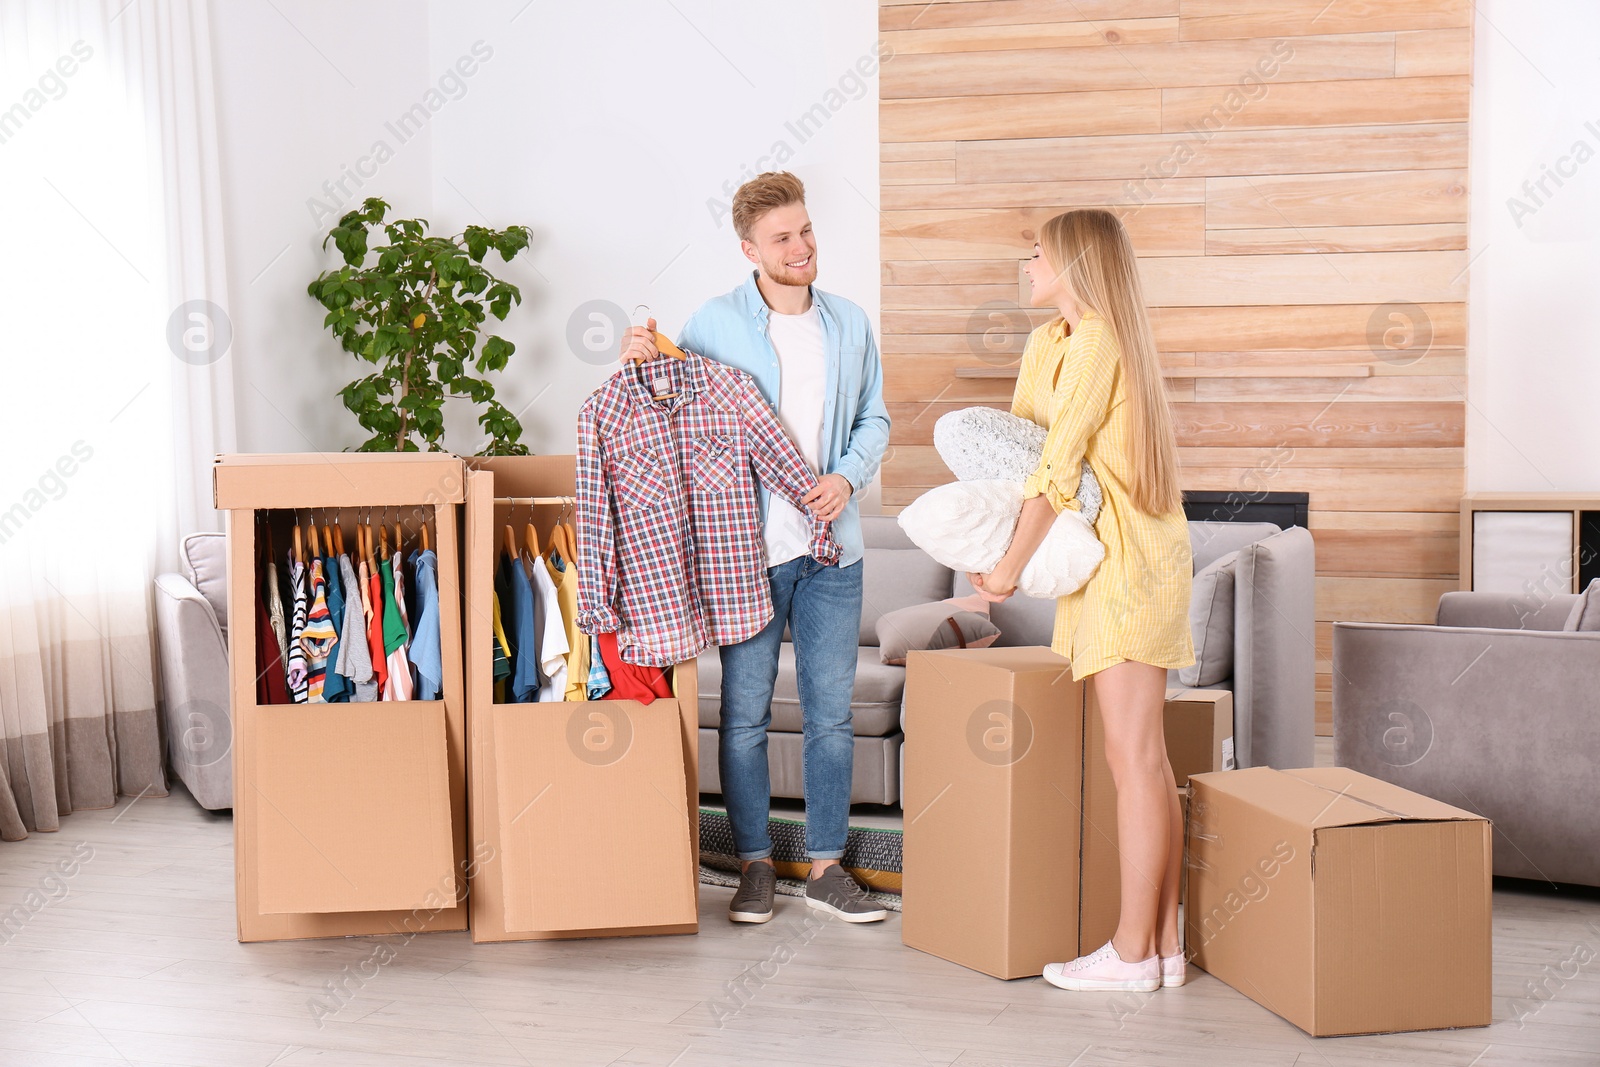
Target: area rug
871,854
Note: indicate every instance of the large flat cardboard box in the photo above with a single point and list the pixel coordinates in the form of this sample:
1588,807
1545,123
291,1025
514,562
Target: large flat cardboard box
565,796
348,819
1343,903
1199,730
992,797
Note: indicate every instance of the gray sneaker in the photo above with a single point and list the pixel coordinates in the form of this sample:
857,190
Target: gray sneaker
839,894
752,903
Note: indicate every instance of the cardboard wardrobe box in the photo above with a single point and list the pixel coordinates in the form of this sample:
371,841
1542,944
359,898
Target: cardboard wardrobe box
1343,903
1199,730
584,815
992,794
349,818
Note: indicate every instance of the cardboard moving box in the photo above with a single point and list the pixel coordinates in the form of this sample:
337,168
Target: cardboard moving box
347,818
1011,855
992,797
564,795
1343,903
1199,730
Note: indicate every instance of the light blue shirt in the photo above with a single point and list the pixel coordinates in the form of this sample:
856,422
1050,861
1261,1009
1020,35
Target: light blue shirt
732,329
424,650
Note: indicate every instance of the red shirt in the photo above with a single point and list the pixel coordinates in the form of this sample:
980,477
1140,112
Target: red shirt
629,681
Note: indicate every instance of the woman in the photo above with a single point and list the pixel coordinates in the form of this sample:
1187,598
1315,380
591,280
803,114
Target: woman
1093,379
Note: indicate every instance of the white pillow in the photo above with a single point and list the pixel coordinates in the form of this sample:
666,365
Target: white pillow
967,526
981,443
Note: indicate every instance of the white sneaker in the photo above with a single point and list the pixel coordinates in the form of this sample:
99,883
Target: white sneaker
1174,970
1104,970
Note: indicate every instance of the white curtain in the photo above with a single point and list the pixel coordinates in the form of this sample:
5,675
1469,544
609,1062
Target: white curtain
120,383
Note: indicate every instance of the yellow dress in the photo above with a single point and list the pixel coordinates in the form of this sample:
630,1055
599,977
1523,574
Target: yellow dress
1136,605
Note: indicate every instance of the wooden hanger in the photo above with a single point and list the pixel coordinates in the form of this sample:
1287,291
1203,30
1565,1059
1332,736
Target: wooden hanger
299,550
561,541
338,538
398,550
316,543
327,536
424,533
383,539
511,542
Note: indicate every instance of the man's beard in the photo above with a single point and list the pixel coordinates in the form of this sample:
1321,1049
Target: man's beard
780,272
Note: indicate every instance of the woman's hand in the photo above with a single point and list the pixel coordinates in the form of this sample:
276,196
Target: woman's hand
995,587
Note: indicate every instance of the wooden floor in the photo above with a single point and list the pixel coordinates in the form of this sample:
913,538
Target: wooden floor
135,962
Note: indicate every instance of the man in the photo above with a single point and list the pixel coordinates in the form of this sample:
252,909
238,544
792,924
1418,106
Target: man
814,359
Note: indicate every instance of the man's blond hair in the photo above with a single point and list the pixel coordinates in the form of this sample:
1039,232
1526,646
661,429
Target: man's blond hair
759,195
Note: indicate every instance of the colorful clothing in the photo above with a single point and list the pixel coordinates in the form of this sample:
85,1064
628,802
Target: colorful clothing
599,678
565,579
270,685
398,683
517,591
551,632
630,681
318,636
297,670
355,657
336,687
670,553
372,578
424,651
1136,605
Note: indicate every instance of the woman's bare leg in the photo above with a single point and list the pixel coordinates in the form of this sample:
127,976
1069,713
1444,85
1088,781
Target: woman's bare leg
1132,697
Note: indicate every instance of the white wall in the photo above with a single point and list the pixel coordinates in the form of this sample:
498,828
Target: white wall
1533,343
605,135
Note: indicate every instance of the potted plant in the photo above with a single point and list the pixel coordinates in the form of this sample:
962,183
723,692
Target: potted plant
417,313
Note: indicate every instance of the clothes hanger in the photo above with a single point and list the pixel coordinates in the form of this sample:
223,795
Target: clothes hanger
327,534
383,536
299,550
398,549
316,544
338,536
424,535
663,345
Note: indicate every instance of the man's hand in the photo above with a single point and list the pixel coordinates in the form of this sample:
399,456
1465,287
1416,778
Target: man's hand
639,343
828,497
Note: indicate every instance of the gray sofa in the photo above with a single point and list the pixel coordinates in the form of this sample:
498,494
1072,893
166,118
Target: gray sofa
1266,627
192,639
1492,709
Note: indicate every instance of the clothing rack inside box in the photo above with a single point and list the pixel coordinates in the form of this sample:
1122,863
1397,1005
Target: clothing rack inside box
349,818
560,789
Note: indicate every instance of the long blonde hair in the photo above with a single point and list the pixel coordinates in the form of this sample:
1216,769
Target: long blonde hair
1091,247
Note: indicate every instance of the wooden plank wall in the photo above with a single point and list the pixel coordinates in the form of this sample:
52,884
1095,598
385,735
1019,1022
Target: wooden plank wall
1293,174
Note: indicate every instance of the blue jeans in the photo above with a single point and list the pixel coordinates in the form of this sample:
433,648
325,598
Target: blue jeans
822,607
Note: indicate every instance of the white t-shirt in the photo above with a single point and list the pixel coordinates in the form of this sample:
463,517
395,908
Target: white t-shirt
802,384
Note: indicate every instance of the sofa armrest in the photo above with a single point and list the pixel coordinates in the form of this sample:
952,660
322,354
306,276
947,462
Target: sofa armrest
1496,720
1274,651
194,680
1505,611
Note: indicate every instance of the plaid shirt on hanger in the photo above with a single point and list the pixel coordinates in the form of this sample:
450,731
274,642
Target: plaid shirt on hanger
670,554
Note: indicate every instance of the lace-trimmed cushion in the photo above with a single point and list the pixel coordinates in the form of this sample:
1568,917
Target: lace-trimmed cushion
981,443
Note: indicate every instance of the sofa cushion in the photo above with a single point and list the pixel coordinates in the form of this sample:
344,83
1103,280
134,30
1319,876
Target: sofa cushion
1211,623
954,623
1586,613
205,564
897,578
874,706
1024,621
1210,541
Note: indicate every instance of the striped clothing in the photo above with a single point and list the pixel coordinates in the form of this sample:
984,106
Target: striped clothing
670,554
318,636
1136,606
297,669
